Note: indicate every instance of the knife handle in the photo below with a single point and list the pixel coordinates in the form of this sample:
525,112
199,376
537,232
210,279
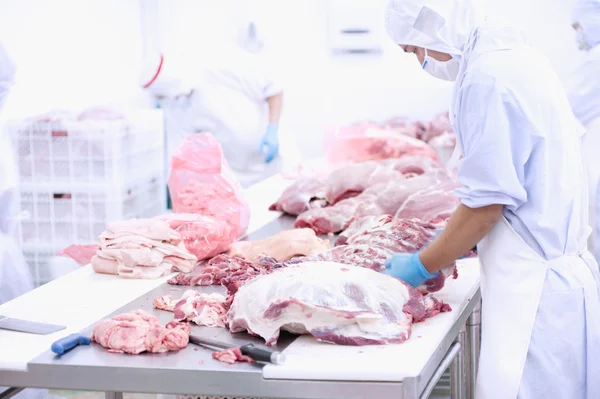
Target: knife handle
262,355
69,342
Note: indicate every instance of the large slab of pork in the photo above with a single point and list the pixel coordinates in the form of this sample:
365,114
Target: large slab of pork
281,246
333,302
300,196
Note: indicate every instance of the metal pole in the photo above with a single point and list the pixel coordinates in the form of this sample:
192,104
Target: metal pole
10,392
113,395
472,349
457,370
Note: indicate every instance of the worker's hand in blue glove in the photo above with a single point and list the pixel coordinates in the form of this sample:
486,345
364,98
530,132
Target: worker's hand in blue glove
408,268
269,146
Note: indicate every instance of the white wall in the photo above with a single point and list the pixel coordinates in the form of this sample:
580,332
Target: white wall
72,53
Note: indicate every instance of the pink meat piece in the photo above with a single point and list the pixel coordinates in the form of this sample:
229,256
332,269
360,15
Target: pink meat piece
403,125
141,248
366,142
302,195
231,356
282,246
369,242
201,182
333,302
82,254
203,309
383,199
203,236
436,201
437,126
138,331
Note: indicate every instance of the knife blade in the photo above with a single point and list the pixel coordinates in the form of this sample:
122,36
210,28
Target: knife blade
26,326
262,355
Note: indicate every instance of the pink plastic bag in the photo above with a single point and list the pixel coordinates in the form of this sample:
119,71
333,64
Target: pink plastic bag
81,254
203,236
202,183
368,141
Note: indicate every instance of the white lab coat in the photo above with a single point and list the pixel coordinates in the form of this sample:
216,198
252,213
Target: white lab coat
584,96
521,148
229,100
15,277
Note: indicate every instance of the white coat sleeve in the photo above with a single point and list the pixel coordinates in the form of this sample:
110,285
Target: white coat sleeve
7,74
261,81
495,148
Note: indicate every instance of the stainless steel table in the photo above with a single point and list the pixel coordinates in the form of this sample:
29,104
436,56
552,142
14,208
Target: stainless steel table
192,371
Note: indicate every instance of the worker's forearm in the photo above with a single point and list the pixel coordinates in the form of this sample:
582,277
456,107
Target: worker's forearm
464,230
275,105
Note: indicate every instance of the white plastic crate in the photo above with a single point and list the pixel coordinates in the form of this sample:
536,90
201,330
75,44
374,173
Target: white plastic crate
77,214
109,152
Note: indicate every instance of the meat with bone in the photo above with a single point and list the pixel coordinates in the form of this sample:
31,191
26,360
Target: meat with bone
200,308
333,302
385,199
282,246
141,248
369,242
138,331
302,195
350,180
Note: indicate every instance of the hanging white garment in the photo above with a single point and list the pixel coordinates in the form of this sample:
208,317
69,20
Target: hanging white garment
591,144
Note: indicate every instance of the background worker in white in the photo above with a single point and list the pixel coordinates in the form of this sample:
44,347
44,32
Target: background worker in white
584,96
15,278
232,94
524,202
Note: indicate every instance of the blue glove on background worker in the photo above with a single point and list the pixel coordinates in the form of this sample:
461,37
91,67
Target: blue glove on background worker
269,146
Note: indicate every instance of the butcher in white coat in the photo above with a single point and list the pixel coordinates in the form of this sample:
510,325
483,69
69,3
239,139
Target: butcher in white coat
231,93
524,202
584,96
15,277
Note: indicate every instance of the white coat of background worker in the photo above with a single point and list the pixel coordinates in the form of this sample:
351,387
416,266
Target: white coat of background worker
232,94
524,202
584,95
15,277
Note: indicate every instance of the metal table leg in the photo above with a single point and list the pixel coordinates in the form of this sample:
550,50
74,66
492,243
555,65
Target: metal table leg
10,392
457,369
472,349
113,395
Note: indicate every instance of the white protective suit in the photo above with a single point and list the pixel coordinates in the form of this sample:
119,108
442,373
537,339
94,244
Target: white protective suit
521,148
584,96
15,277
230,87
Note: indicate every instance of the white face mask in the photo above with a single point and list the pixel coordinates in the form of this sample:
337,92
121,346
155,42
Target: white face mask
447,70
582,41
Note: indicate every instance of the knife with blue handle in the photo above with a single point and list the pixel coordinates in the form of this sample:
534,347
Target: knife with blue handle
69,342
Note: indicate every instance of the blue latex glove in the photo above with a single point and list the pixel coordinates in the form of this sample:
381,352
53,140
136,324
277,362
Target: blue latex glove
408,268
269,145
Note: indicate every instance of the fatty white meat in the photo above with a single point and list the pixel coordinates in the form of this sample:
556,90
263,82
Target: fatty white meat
333,302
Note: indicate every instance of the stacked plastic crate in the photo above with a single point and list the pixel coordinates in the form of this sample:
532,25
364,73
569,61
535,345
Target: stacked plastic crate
78,175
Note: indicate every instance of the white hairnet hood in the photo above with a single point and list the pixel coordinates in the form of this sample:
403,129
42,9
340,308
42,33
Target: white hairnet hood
587,14
440,25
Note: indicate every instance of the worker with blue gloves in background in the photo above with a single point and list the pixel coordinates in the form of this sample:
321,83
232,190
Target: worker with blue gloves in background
229,92
584,96
524,203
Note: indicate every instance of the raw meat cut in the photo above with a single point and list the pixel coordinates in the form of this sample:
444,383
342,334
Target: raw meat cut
403,125
138,331
282,246
201,182
82,254
141,248
226,270
302,195
203,236
350,180
333,302
369,242
365,142
386,199
203,309
231,356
